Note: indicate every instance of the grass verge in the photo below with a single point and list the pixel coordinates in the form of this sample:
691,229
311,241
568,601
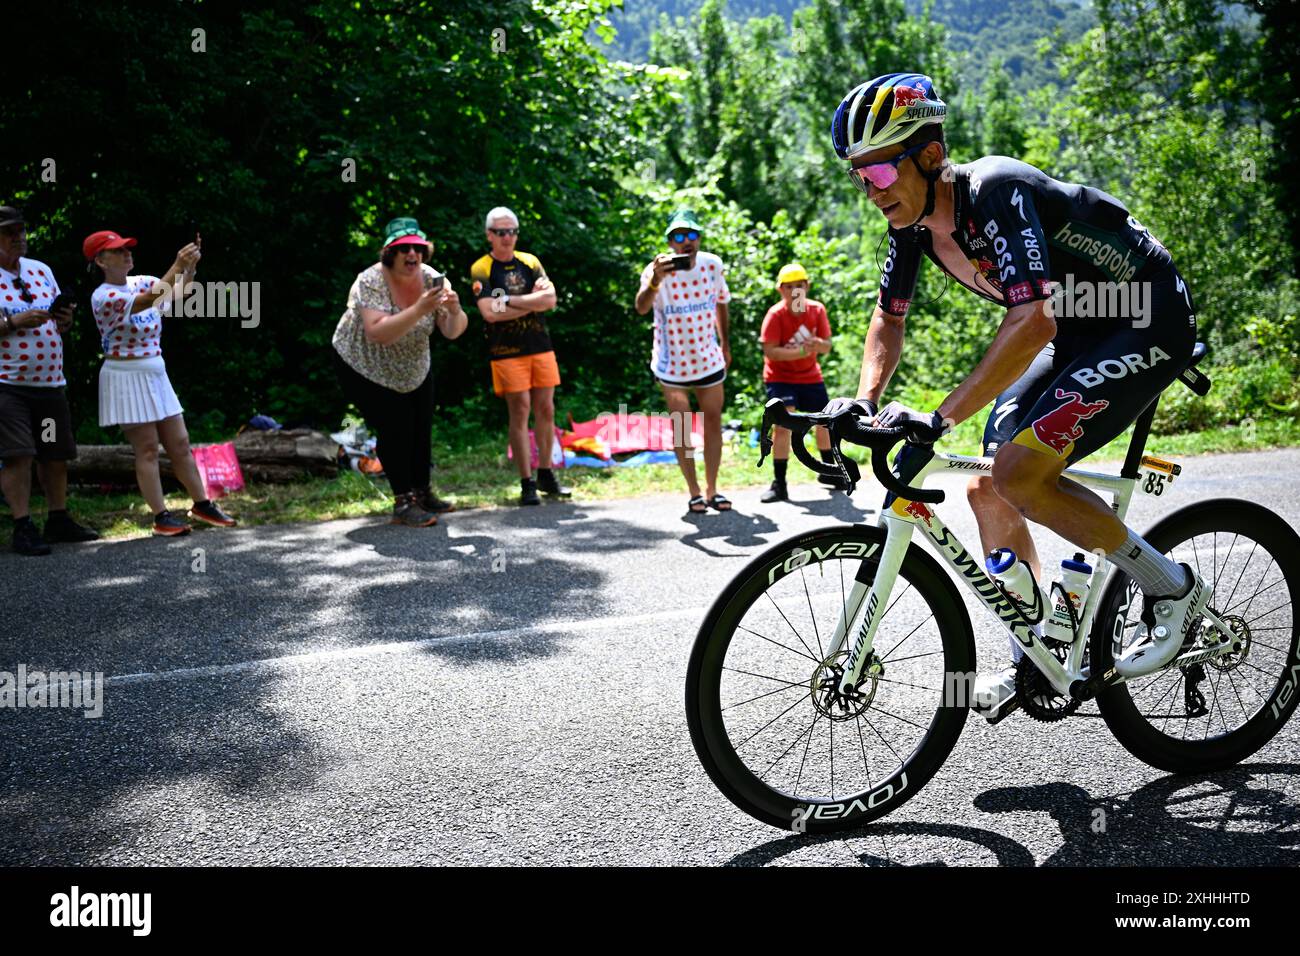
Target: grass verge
477,475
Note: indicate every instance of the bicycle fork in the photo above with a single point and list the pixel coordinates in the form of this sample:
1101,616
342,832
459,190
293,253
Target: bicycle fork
874,599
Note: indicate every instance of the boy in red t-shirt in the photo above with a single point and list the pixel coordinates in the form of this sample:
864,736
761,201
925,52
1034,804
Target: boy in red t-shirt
795,331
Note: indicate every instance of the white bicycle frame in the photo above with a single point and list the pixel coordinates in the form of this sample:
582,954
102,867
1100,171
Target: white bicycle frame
899,521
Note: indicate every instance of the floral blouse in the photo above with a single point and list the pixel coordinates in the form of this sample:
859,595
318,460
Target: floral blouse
401,365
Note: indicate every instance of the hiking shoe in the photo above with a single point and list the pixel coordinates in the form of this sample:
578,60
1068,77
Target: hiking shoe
777,492
994,695
208,511
168,525
61,529
407,510
1167,620
548,484
528,492
431,502
28,540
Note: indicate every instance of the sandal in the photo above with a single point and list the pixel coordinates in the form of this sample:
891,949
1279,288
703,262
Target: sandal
720,503
697,500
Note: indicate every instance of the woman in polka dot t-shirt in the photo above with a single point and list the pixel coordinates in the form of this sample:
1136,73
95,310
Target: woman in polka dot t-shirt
134,391
688,294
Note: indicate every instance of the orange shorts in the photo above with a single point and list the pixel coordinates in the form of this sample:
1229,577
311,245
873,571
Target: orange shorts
524,372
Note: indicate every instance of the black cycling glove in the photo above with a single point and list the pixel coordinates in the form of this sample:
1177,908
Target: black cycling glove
920,428
850,406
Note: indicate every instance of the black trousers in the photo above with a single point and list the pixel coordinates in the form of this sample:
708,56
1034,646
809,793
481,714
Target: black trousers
401,421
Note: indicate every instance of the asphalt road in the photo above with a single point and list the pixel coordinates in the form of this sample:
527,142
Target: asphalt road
506,688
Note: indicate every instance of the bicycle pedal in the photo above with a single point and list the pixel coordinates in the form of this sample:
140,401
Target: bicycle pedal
1011,705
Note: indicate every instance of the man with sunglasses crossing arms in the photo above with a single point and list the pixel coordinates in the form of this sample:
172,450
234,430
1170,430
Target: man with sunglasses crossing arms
512,292
1065,373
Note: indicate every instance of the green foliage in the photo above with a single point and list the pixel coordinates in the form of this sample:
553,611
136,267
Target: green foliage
1168,105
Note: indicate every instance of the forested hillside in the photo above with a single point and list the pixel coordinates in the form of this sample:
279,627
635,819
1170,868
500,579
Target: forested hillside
979,32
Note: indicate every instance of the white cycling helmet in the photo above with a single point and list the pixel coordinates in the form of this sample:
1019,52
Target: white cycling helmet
884,111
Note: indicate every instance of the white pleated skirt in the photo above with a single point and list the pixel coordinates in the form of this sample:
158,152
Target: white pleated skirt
135,391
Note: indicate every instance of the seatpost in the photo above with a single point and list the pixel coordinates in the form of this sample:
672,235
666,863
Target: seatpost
1138,443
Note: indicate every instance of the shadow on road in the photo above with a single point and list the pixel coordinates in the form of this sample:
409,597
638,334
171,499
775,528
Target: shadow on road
1246,816
733,528
145,607
1003,850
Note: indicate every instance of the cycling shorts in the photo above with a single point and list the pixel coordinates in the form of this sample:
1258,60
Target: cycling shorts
1084,388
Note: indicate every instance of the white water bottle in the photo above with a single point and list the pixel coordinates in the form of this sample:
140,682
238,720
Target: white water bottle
1076,576
1017,580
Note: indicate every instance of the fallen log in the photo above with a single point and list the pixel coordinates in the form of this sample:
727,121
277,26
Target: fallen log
276,457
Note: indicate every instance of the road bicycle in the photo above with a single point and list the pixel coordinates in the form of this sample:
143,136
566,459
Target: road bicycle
832,677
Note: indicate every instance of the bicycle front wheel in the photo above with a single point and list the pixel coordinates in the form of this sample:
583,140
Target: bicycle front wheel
766,720
1210,715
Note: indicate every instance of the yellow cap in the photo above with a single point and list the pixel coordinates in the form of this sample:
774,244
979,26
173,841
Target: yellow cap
791,273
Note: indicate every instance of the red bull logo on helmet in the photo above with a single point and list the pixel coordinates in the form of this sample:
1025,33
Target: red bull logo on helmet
906,96
1059,428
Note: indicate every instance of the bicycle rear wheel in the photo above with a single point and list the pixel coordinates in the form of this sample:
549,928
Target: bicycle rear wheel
1250,558
766,724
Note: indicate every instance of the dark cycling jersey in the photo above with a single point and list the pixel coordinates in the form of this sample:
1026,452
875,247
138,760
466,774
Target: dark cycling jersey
1020,229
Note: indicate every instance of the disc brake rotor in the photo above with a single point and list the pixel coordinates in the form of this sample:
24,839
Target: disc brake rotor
824,687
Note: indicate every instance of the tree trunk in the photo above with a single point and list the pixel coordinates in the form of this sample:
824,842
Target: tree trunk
277,457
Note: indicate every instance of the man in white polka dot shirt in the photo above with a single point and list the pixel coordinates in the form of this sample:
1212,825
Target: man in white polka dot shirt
34,419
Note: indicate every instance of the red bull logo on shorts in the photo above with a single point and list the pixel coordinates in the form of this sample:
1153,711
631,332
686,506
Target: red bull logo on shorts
1059,429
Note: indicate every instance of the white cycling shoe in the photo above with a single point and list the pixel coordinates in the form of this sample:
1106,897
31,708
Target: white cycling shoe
1167,620
994,695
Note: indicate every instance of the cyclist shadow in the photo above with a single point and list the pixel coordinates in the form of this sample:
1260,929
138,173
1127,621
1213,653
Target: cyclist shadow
1235,817
1006,851
733,527
1242,816
835,505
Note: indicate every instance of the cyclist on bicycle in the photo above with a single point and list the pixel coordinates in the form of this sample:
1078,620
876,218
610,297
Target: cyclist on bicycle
1063,379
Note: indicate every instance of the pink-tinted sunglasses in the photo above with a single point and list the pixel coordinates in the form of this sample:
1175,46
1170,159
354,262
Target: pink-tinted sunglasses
881,175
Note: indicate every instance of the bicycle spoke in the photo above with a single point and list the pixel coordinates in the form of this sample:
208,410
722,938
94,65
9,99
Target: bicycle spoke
881,710
768,595
903,683
913,657
737,670
799,776
768,724
761,696
831,728
866,763
909,634
1258,591
812,614
793,744
1237,583
884,741
809,656
1219,571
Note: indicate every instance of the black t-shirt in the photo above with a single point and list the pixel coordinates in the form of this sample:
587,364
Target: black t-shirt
527,334
1022,230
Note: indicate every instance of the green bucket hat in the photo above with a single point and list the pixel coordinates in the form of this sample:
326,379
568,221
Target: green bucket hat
683,219
401,228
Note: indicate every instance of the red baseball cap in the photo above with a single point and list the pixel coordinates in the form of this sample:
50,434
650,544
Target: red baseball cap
97,242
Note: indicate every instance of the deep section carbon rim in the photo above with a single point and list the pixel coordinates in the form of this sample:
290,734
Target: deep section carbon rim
787,727
1251,592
